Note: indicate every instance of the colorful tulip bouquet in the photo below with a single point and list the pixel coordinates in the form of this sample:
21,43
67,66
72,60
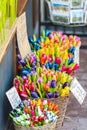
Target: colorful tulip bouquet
56,51
27,65
50,38
43,83
34,113
55,59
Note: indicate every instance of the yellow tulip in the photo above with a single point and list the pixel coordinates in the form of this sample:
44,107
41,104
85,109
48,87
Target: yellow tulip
63,93
67,89
52,50
65,55
63,79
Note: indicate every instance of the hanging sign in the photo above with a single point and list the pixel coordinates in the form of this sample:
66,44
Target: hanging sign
78,91
22,37
76,55
13,97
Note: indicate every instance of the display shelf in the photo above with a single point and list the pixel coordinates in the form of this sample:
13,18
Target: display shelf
21,6
9,35
46,23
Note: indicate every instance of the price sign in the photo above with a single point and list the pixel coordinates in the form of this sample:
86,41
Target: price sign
22,37
78,91
13,97
76,55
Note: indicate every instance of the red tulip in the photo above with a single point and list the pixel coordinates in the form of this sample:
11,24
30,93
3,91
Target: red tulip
31,87
43,58
23,94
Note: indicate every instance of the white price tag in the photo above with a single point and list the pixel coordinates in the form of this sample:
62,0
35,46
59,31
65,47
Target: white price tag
22,37
13,97
76,55
78,91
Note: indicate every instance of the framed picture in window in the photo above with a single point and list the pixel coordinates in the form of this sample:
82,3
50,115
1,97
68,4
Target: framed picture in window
76,3
77,16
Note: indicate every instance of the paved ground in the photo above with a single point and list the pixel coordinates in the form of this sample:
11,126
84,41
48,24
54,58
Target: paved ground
76,114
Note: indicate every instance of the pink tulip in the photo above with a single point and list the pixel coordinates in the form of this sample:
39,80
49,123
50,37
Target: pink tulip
50,58
58,60
51,36
63,68
32,113
69,70
60,34
76,67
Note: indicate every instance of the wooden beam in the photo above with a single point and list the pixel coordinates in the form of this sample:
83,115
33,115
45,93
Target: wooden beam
21,6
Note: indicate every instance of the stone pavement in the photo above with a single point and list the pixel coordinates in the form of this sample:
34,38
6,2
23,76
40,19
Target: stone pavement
76,114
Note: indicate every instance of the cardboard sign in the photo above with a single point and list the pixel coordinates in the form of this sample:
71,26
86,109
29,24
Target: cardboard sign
76,55
13,97
78,91
22,37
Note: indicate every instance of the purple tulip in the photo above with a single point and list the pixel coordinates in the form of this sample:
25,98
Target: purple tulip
22,62
39,80
66,84
34,94
24,77
56,94
53,84
19,57
49,95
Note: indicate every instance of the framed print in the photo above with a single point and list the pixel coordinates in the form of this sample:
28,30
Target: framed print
58,18
60,7
76,16
57,1
76,3
65,1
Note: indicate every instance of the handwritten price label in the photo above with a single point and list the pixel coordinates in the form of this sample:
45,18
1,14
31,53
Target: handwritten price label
13,97
78,91
76,55
22,37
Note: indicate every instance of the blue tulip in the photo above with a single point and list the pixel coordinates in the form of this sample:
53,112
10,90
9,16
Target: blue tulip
39,40
72,50
47,32
47,65
70,61
25,72
31,40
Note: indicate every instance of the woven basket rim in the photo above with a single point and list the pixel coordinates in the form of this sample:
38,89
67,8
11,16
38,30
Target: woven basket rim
48,124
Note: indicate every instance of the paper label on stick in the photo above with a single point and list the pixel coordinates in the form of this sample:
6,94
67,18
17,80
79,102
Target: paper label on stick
76,55
78,91
13,97
22,37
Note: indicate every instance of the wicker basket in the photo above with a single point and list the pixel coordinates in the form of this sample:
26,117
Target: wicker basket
50,126
62,102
